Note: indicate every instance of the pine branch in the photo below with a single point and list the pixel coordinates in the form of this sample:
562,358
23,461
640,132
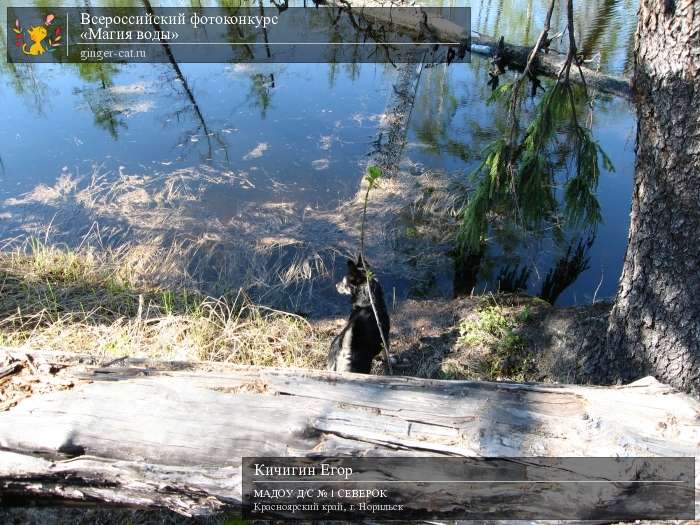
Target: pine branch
516,177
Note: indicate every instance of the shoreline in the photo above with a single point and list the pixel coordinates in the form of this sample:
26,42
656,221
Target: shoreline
92,302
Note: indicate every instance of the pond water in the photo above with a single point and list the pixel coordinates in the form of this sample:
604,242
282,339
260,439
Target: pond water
222,140
292,131
452,123
604,28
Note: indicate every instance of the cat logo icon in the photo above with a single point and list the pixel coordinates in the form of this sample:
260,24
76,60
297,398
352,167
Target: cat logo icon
38,40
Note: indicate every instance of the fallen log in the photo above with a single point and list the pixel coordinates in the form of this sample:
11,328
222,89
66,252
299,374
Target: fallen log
412,19
171,435
549,64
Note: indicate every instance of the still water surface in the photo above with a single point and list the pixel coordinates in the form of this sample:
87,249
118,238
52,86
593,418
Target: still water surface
295,133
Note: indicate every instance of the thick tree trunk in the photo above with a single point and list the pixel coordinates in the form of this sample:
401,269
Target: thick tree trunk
655,322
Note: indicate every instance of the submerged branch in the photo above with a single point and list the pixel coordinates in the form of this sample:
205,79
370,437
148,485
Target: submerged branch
515,56
550,64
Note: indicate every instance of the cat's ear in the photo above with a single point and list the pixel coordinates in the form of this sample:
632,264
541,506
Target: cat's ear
354,271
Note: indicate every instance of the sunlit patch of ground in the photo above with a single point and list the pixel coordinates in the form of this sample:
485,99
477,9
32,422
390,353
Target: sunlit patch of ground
96,301
495,337
477,338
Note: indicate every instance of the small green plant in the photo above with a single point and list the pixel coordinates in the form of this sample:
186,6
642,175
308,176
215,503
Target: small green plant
497,331
372,177
168,299
412,232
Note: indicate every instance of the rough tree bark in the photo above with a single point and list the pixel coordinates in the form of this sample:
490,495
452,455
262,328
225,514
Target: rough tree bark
654,326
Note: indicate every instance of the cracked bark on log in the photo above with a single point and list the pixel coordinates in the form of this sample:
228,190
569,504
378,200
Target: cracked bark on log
151,434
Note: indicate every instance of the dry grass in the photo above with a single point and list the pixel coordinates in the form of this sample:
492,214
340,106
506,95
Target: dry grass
97,300
264,248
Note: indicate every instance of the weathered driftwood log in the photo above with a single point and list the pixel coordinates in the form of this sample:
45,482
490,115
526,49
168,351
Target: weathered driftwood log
171,435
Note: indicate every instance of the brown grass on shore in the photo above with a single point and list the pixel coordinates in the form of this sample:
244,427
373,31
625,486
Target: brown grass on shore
91,300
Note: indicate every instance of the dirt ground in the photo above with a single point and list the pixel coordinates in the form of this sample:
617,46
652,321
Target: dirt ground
426,339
